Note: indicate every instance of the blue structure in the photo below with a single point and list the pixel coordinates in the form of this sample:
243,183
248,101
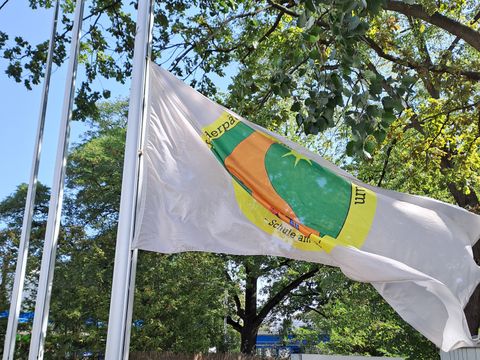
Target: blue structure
22,319
277,344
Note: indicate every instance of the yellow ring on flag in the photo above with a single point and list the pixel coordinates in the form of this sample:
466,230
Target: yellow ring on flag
357,225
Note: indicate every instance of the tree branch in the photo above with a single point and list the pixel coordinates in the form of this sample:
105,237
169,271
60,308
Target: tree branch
283,9
213,33
3,4
448,112
238,305
265,36
279,296
447,120
93,13
306,294
235,324
468,201
385,85
106,7
471,75
385,163
428,80
264,99
457,39
270,268
452,26
321,313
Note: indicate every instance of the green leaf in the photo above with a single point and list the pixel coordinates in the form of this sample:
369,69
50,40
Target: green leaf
309,4
296,106
337,83
374,6
370,144
398,104
350,149
328,115
375,87
388,117
311,38
353,23
380,136
373,111
315,54
302,20
408,80
369,75
388,103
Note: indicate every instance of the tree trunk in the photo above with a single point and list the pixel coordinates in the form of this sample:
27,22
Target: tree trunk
472,309
248,335
248,340
469,201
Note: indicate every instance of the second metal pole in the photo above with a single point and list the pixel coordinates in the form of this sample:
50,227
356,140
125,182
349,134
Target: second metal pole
42,305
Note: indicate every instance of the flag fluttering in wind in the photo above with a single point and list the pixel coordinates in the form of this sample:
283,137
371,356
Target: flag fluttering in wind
213,181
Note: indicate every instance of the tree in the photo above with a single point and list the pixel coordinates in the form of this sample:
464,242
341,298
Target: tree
397,78
358,321
84,265
11,215
324,47
282,280
360,63
180,307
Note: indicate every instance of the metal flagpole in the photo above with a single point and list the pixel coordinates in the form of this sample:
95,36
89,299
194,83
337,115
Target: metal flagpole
42,305
134,258
16,298
121,301
131,293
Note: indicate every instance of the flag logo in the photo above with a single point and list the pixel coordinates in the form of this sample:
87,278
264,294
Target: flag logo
285,193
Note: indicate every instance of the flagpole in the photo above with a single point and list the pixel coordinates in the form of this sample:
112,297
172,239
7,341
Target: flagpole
17,291
121,302
131,295
44,292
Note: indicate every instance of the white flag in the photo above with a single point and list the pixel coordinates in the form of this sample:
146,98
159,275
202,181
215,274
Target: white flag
213,181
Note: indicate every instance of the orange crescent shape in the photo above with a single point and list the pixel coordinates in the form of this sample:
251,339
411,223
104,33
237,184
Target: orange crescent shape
247,163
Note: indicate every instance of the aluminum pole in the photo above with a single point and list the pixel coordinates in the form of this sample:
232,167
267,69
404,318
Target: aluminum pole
16,298
125,257
134,254
18,284
131,298
42,305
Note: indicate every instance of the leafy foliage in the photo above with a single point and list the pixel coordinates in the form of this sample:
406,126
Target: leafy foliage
178,307
360,322
392,84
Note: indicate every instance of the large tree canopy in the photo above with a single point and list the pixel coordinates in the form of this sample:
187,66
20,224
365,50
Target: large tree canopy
361,63
300,43
379,68
393,85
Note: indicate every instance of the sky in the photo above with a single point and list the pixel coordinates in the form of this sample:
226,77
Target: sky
20,107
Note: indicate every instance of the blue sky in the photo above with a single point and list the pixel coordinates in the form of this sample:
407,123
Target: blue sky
20,107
